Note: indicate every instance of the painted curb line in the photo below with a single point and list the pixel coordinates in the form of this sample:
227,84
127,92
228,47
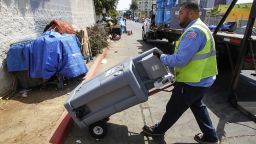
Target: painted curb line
64,123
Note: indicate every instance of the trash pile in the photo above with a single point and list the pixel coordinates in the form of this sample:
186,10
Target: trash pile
115,27
54,56
98,38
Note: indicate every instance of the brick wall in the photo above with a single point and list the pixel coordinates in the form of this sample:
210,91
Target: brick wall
25,19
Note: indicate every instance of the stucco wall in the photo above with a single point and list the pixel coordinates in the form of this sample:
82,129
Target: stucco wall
24,19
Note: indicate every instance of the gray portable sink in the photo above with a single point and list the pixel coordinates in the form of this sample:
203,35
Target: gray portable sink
120,87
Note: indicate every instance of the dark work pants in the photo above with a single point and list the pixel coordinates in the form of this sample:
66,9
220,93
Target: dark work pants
184,97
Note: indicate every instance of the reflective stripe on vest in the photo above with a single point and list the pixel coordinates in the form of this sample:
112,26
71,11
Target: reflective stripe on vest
212,51
203,63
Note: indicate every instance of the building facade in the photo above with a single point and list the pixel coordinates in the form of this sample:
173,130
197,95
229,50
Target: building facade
144,7
25,19
182,1
218,2
207,3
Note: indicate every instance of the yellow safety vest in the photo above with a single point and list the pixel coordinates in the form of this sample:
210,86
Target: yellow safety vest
203,64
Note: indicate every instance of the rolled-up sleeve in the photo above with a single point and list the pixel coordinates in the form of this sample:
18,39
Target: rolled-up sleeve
192,42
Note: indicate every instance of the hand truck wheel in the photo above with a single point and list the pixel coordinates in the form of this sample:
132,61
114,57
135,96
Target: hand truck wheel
98,129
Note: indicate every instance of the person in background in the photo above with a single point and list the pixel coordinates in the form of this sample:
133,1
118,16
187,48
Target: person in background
122,24
124,20
195,66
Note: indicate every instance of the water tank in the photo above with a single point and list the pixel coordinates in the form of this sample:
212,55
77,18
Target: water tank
159,18
194,1
168,6
170,3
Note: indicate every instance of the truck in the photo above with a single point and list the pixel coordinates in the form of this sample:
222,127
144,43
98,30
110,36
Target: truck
163,23
236,57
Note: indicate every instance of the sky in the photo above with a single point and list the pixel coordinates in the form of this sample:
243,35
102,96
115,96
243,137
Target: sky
244,1
125,4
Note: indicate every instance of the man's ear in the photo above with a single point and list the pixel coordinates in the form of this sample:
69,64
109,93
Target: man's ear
190,14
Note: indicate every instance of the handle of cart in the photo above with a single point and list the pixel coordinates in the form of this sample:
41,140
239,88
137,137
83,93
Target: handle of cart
165,89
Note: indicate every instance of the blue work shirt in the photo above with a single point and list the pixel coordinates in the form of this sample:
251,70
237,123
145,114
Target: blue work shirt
192,42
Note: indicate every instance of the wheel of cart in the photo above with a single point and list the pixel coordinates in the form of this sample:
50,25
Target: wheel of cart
99,129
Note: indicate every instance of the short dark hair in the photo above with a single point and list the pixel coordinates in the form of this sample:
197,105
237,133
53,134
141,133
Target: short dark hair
191,6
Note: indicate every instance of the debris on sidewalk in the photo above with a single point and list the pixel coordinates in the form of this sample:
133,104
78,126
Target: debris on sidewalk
60,26
104,61
115,37
98,39
24,93
78,141
85,44
129,32
3,103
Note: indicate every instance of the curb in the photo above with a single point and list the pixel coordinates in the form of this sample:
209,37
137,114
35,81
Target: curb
63,125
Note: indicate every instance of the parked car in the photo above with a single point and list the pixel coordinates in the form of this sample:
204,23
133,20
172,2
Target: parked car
242,29
227,26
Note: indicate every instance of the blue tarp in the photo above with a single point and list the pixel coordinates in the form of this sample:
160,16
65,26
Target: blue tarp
17,57
159,12
72,59
54,53
45,55
50,54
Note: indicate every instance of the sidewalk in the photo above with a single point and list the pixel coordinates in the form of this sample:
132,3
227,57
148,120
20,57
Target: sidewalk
125,127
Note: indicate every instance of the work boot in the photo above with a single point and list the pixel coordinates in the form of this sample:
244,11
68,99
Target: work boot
157,137
200,138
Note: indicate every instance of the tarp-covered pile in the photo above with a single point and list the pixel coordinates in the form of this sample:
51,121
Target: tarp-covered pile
51,53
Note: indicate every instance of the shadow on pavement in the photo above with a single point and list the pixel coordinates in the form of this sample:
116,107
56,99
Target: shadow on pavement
184,143
39,94
216,98
117,134
217,101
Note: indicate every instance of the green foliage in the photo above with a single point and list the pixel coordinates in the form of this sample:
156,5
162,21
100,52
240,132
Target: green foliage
109,5
134,5
113,13
214,12
98,7
97,38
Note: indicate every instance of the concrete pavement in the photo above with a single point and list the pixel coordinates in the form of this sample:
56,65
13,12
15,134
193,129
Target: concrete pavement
125,127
